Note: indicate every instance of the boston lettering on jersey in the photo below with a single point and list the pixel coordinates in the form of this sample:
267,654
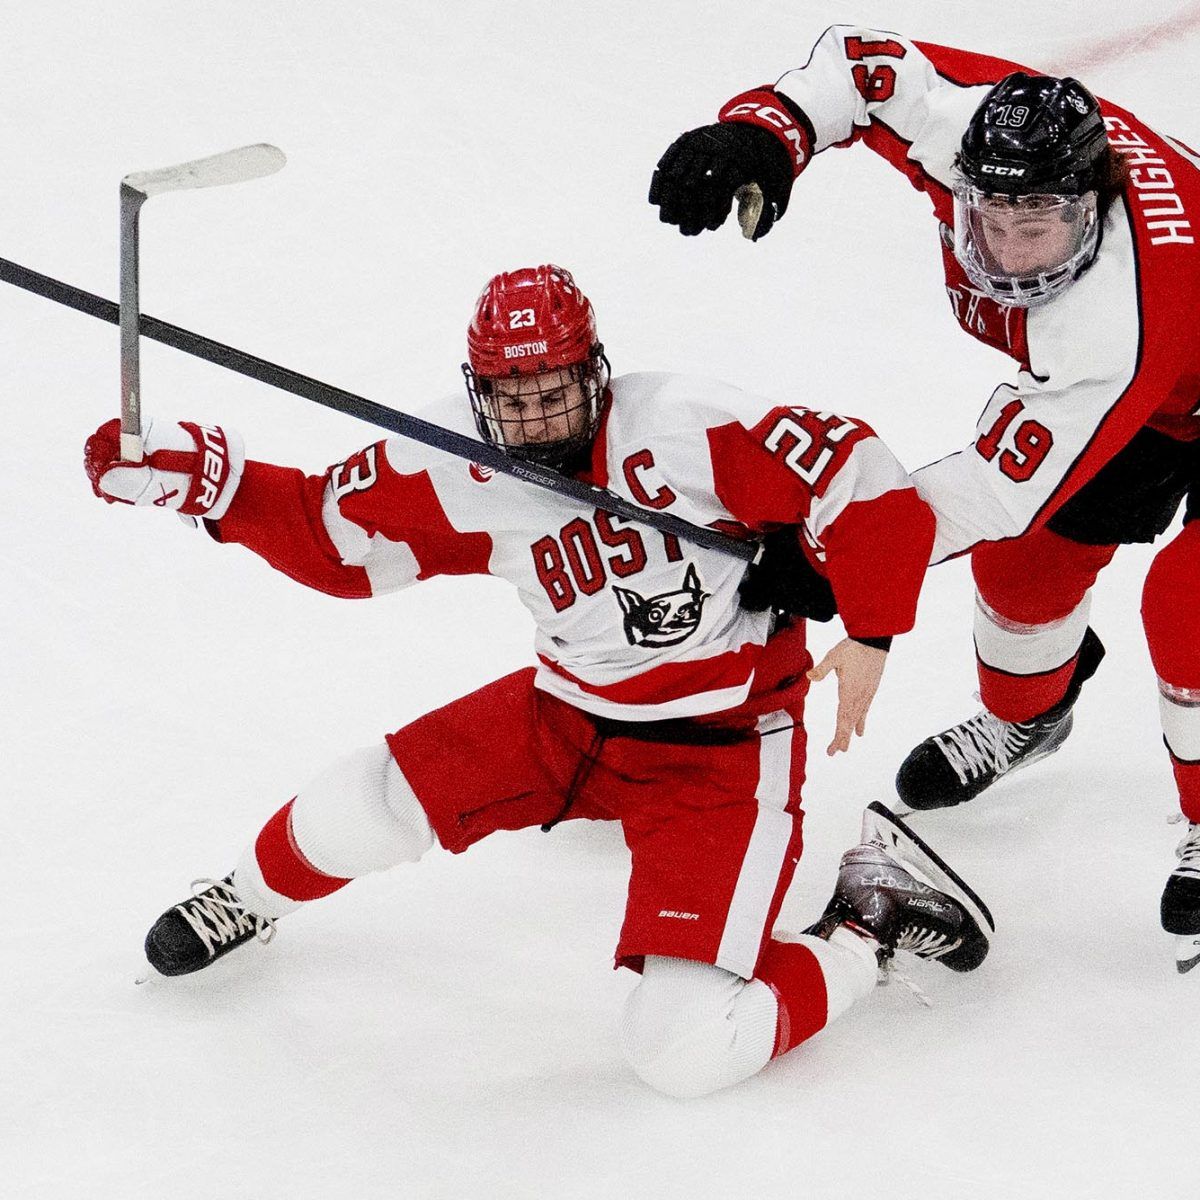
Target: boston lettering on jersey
571,563
629,623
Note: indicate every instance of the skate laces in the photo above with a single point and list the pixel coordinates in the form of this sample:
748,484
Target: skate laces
217,916
984,743
1188,852
889,971
925,942
922,942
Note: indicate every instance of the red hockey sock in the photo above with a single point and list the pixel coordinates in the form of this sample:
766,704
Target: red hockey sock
792,972
1020,697
1172,622
1187,779
284,868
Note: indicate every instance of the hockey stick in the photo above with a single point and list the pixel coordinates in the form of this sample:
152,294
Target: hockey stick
234,166
377,414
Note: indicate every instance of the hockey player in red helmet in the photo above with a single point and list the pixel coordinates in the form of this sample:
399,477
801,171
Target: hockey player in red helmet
536,373
1069,241
662,696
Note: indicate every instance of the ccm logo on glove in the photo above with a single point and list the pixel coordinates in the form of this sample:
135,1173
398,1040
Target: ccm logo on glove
193,469
763,108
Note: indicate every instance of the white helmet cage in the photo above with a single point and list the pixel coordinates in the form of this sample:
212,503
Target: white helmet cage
976,212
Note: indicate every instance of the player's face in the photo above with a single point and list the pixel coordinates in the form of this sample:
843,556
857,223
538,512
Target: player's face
1024,250
538,409
1026,243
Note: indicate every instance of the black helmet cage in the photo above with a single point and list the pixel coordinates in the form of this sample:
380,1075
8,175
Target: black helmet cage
518,435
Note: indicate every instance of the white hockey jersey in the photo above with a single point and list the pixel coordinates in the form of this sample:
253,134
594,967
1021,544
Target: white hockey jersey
1114,352
631,622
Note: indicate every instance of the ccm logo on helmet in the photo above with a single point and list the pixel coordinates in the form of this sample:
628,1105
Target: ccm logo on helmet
524,349
991,169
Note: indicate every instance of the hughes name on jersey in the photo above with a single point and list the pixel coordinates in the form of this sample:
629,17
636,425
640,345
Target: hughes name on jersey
1113,353
631,623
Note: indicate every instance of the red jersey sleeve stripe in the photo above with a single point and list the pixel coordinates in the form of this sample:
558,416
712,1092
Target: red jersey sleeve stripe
406,508
966,68
277,514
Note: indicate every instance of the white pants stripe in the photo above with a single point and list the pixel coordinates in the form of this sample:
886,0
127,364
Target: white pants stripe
766,851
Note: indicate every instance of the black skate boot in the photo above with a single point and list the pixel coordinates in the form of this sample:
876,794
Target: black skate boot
877,894
196,932
1181,901
954,766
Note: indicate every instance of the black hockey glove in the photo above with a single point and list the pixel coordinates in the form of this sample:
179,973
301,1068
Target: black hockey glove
784,580
696,179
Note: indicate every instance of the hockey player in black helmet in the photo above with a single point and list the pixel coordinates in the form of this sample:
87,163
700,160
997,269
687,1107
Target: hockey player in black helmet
1069,243
1026,201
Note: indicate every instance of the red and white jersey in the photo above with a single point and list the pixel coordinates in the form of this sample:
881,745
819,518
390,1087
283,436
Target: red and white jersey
631,623
1114,352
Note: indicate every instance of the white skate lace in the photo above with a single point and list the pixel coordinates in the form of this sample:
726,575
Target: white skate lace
888,971
217,915
984,743
925,943
1188,852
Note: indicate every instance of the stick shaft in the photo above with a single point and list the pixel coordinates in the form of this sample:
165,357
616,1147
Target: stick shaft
400,423
130,309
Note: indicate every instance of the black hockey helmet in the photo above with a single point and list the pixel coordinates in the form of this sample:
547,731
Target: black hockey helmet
1034,133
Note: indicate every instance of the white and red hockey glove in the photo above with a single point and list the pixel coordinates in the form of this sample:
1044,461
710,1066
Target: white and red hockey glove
193,469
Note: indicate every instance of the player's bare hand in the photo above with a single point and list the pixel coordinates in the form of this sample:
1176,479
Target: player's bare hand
859,669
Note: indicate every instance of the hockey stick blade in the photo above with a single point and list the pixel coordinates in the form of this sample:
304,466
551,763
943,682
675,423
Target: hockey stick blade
749,199
233,166
881,825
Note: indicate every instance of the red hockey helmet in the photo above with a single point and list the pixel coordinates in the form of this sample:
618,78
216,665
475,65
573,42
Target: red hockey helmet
535,322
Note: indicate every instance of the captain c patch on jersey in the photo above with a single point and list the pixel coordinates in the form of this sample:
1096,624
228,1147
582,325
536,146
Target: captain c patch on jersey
665,619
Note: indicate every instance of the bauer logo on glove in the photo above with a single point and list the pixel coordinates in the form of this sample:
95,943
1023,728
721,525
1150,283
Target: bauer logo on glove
193,469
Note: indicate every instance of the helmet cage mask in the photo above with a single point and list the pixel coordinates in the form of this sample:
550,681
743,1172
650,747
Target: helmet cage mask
536,373
523,432
975,210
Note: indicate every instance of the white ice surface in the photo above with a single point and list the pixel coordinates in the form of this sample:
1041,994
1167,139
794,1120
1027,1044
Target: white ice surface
449,1030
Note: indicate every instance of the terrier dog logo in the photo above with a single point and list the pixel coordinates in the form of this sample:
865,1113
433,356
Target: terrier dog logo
666,619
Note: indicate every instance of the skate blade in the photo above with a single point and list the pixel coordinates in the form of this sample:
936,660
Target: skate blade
882,825
147,976
1187,952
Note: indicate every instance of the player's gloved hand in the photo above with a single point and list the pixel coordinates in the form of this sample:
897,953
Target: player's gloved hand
760,143
193,469
783,579
701,171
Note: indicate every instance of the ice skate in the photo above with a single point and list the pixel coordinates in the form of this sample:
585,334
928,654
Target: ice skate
196,932
894,889
957,764
1181,901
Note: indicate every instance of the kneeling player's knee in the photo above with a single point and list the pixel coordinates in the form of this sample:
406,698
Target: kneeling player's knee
691,1028
360,815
